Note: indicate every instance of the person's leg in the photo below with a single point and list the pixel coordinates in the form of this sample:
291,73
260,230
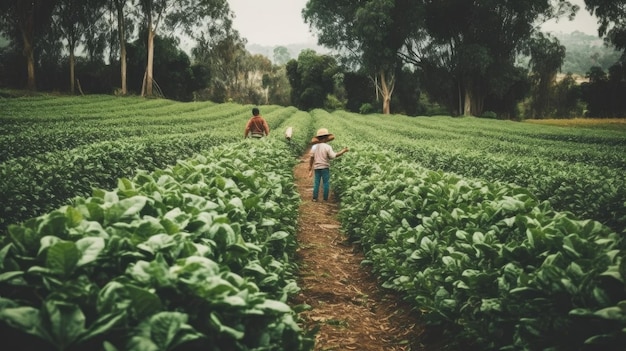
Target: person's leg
316,183
326,181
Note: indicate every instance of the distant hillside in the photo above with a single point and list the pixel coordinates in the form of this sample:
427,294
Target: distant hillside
294,49
583,51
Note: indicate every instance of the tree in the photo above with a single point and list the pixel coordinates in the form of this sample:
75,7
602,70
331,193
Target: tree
408,94
567,94
480,41
224,54
312,79
256,78
604,93
24,20
236,74
359,91
611,16
547,56
281,55
278,86
174,71
72,19
295,79
370,35
185,15
120,6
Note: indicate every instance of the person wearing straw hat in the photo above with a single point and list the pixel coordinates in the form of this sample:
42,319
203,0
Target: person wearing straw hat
321,154
257,126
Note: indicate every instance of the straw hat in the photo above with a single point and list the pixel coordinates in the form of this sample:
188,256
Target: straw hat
322,135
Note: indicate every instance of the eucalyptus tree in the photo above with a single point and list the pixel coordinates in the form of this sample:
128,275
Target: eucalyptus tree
611,16
281,55
223,52
312,79
24,21
121,11
96,37
547,56
73,19
277,84
235,73
256,81
369,34
481,40
183,15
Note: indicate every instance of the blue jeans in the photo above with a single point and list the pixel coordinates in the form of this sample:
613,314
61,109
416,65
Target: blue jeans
324,176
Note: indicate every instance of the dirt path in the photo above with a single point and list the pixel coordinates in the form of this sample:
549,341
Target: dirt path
347,305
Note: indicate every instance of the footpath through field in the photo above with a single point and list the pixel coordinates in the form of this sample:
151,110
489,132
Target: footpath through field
348,306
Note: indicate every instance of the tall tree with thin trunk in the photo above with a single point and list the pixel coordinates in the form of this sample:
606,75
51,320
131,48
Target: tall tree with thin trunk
23,20
224,53
121,32
185,15
73,18
546,59
369,34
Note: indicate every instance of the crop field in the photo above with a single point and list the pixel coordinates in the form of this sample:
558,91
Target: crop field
602,123
152,224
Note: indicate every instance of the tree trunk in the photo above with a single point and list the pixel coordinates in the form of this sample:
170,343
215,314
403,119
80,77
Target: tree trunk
460,99
386,90
72,71
27,27
386,105
121,27
148,81
31,84
474,101
467,106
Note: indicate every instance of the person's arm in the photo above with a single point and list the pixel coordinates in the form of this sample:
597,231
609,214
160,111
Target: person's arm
342,151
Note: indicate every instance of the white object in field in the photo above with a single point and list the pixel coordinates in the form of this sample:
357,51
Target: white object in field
288,133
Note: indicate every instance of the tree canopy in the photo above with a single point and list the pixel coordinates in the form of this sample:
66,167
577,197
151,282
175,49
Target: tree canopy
28,20
476,43
369,34
611,16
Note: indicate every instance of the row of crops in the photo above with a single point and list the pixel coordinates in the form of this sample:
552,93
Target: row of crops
505,235
496,265
192,248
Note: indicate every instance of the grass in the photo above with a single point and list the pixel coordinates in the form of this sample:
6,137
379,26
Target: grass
599,123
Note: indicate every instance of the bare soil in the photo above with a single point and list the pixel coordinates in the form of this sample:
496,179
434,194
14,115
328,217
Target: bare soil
348,306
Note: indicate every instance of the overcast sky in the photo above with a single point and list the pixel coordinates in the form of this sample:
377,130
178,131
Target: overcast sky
583,22
271,22
279,22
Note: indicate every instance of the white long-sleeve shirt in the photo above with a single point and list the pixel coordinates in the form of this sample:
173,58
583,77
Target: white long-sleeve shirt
322,153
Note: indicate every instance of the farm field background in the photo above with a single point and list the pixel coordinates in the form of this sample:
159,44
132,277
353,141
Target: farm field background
469,218
52,148
601,123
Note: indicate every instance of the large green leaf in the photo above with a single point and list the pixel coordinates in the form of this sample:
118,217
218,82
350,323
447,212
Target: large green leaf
163,331
62,257
125,209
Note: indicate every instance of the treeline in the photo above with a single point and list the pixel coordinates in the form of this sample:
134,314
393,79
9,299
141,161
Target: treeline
133,47
395,57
